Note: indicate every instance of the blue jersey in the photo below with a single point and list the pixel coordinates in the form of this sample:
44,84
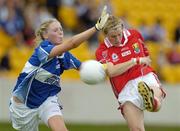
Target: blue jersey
40,77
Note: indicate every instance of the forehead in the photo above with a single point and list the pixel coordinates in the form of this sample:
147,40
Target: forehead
55,24
115,32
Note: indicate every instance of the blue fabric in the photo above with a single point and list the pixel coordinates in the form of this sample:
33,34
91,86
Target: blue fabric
32,90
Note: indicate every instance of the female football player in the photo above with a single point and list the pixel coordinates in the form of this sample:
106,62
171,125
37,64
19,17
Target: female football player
133,80
35,94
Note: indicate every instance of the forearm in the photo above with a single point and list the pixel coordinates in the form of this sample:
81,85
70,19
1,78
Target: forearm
76,40
73,42
114,70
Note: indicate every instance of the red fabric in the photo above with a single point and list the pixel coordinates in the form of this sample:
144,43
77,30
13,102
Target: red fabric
133,48
138,60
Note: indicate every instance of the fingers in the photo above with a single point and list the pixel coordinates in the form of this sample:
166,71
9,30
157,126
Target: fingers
102,19
104,12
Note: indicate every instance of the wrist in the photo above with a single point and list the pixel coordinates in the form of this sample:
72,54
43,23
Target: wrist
134,61
137,60
96,27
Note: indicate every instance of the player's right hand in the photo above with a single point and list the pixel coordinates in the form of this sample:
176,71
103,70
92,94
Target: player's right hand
145,60
102,19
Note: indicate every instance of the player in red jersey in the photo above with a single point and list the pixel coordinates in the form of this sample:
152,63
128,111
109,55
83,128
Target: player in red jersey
133,80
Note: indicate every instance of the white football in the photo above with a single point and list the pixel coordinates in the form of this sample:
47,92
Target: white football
92,72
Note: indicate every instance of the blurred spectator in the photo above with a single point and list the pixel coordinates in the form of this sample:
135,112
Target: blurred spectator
158,32
5,62
144,30
88,13
35,14
174,54
28,33
3,10
12,20
177,33
53,6
162,58
68,2
124,18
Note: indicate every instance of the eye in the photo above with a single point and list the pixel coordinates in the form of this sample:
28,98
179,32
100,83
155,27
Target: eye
120,34
60,29
113,36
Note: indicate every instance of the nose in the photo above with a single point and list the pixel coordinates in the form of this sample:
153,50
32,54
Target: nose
60,32
118,38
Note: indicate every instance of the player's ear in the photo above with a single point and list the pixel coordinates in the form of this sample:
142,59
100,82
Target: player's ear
45,35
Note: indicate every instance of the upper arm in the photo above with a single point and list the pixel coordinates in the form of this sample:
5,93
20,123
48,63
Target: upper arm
101,55
60,49
141,39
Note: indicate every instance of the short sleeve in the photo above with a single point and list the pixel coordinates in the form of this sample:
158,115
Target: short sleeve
70,62
44,50
101,55
141,39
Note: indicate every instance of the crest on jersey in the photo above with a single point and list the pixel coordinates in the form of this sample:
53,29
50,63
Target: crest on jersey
105,54
136,48
115,57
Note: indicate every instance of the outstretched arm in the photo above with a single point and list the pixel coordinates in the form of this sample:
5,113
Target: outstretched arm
76,40
73,42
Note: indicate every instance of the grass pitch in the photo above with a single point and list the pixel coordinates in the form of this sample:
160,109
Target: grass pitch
87,127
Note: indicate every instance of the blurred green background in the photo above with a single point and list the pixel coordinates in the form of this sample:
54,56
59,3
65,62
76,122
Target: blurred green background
86,127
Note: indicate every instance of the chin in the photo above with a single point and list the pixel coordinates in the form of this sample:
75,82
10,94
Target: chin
58,42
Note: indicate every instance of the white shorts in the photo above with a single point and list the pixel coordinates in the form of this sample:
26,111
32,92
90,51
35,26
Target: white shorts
130,91
26,119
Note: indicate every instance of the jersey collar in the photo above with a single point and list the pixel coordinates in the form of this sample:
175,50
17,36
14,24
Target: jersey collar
126,34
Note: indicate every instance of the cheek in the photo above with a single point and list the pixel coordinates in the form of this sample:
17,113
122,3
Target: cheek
53,37
111,40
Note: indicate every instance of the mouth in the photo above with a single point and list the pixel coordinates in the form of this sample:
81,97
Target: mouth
116,43
60,38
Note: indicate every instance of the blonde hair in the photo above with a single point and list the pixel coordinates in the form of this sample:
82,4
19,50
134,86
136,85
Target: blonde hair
42,29
113,23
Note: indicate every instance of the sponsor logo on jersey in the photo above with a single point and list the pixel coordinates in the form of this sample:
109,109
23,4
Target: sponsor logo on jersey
57,64
125,53
136,48
125,48
104,54
53,80
115,57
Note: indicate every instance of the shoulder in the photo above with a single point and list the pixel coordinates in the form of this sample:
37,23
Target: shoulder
45,43
67,55
101,47
134,31
101,51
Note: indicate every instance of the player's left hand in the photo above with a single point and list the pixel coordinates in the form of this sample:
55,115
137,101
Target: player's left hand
102,19
145,60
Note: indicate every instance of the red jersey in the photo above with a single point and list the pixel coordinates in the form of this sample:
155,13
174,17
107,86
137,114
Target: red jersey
133,46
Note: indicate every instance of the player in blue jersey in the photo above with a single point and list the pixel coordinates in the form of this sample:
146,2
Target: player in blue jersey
34,97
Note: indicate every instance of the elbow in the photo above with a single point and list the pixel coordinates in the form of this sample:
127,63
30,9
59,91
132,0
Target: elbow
73,44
